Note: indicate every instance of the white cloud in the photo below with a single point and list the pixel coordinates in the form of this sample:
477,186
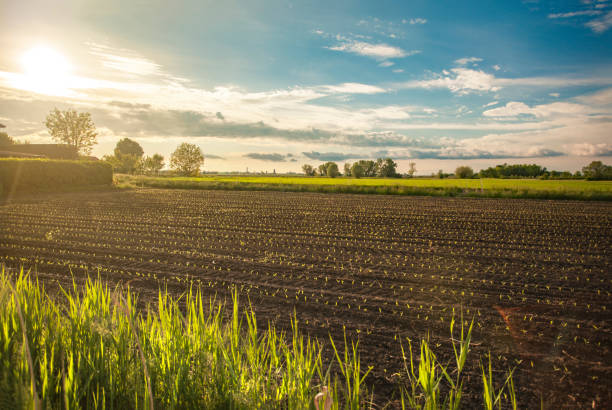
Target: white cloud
379,51
490,104
574,14
599,98
513,109
398,70
354,88
124,61
463,80
386,63
601,24
589,150
418,20
467,60
459,80
556,95
496,67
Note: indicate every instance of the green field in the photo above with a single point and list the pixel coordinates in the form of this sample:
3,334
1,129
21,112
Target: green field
488,187
486,183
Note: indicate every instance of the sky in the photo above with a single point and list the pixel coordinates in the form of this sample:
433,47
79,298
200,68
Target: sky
272,85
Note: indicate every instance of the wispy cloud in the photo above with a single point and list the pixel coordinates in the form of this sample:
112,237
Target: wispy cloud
574,14
128,63
378,51
270,157
601,24
514,108
331,156
417,20
467,60
354,88
462,81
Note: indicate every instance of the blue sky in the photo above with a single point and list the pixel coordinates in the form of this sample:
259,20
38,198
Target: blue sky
275,84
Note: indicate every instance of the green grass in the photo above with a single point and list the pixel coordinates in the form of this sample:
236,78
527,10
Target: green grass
90,347
489,187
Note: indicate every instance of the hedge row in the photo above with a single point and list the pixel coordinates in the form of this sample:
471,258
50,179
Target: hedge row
25,174
54,151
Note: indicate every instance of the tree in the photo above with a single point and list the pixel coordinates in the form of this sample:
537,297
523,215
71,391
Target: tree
441,174
331,169
4,138
127,158
72,128
124,164
127,146
387,168
464,172
322,170
597,170
357,170
187,159
513,170
411,169
347,169
369,167
308,170
152,165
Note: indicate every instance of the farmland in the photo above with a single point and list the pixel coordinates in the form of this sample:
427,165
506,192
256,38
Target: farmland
534,275
485,187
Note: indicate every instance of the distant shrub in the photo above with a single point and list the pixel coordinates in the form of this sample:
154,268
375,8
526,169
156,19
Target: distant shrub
19,174
464,172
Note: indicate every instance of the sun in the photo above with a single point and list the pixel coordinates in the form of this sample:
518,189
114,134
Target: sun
46,71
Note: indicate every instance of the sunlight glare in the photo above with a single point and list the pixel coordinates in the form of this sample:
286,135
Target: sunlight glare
46,71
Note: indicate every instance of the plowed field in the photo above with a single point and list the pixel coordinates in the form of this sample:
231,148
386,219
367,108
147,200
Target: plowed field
535,275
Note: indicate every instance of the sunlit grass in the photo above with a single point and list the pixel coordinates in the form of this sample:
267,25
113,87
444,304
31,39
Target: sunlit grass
90,347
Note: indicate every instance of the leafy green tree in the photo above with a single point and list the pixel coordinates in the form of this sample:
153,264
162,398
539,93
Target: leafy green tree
369,168
387,168
464,172
308,170
357,170
331,169
72,128
597,170
124,164
347,169
322,170
127,146
513,170
187,159
152,165
127,158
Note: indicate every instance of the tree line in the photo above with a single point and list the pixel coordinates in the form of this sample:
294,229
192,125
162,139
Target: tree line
596,170
382,167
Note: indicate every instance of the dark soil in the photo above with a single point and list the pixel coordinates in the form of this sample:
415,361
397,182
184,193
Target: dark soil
535,275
